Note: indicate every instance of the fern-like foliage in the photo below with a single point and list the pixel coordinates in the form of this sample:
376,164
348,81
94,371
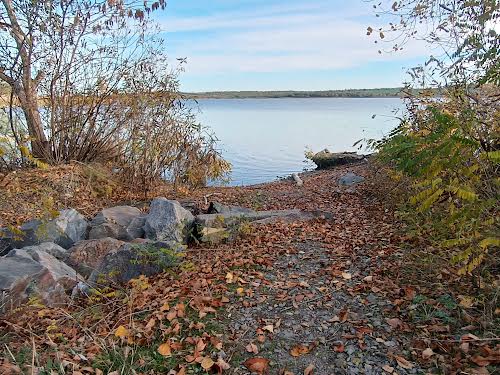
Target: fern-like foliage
449,150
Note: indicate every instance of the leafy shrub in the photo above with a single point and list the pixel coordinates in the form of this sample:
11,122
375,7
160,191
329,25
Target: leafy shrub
450,151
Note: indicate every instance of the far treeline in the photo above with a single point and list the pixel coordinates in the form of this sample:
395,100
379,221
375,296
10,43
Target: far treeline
349,93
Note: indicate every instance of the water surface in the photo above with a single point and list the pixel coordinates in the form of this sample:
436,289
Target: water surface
267,138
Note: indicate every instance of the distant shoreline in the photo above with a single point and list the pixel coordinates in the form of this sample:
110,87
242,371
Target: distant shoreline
395,92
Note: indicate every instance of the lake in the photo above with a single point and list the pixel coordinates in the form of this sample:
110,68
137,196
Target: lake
266,138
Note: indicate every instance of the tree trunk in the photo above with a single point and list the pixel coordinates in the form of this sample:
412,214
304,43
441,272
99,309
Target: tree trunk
40,147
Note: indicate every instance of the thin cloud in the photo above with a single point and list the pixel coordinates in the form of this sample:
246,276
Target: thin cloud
279,39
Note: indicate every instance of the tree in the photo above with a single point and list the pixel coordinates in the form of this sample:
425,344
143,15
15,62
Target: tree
93,83
43,44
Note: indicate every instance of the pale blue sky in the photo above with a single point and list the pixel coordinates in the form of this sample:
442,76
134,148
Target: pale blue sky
277,44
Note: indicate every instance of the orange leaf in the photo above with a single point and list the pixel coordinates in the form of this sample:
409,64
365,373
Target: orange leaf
299,350
121,332
207,363
164,350
258,365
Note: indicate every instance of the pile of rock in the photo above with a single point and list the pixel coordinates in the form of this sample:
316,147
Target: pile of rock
50,260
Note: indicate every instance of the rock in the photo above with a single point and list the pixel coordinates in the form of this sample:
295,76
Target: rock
85,256
326,159
121,222
168,221
22,278
51,248
297,179
61,272
229,220
219,208
350,179
135,230
133,260
214,235
66,229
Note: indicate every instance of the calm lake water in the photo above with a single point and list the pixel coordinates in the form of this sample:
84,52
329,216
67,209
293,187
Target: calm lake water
267,138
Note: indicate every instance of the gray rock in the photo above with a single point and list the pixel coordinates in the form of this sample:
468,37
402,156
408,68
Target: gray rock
327,159
350,179
219,208
85,256
133,260
61,272
51,248
232,219
66,229
121,222
22,278
168,221
136,227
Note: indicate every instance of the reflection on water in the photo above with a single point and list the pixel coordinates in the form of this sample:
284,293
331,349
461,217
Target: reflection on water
267,138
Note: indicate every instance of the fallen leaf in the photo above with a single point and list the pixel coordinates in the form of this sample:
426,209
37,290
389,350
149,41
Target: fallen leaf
150,324
466,301
240,291
268,328
229,278
465,347
343,314
207,363
427,353
368,279
258,365
223,365
403,362
346,275
388,369
164,349
395,322
309,369
121,332
299,350
252,348
339,348
172,314
486,361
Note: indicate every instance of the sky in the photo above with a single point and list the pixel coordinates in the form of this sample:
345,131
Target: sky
280,45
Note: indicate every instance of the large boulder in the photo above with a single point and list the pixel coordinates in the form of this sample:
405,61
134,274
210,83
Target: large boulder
228,220
22,278
51,248
61,272
133,260
85,256
66,229
121,222
350,178
168,221
327,159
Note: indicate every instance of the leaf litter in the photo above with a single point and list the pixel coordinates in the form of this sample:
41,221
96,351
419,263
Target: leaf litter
318,297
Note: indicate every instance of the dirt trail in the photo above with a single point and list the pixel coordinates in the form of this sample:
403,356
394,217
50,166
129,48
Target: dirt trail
317,302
